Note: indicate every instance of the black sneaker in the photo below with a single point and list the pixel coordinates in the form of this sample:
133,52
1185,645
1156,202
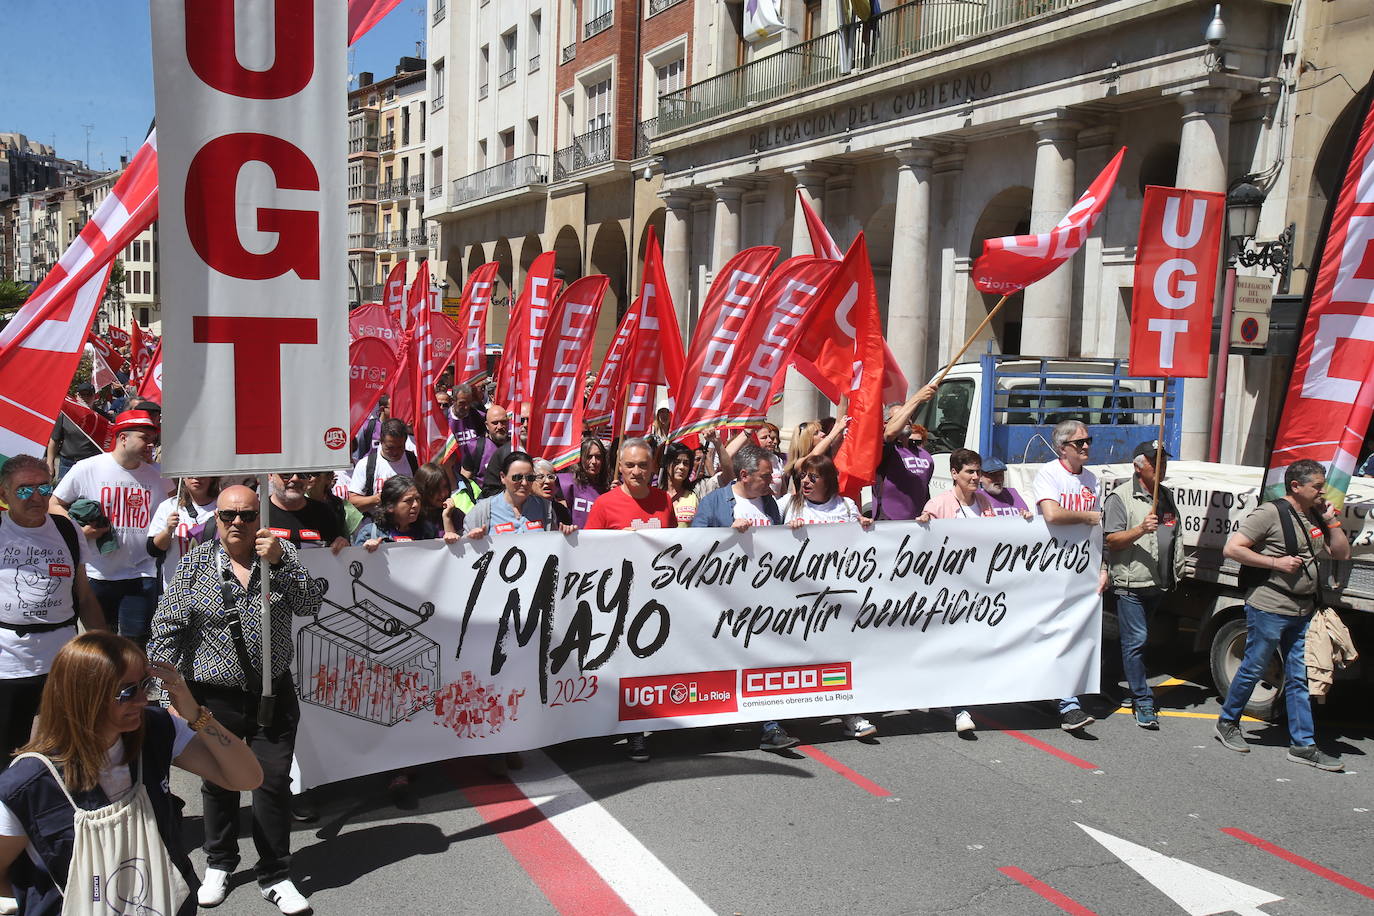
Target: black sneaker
303,810
639,748
1232,738
1312,756
1074,719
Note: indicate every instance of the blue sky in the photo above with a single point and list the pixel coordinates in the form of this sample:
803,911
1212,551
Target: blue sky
68,63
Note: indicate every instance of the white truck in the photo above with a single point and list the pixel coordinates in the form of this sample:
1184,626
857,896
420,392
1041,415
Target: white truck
1006,406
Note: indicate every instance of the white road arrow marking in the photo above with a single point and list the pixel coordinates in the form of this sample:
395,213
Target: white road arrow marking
1198,891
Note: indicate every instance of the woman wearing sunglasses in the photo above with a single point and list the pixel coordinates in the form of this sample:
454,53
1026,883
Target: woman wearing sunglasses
397,517
84,812
517,508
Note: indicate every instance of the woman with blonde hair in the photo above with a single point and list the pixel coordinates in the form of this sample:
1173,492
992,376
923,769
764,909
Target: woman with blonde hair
85,812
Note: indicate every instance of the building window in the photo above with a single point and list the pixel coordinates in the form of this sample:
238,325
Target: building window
405,126
437,96
483,71
671,76
536,34
481,154
143,316
533,146
440,10
507,138
599,104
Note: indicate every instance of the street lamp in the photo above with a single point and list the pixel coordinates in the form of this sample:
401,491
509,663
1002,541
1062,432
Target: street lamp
1243,203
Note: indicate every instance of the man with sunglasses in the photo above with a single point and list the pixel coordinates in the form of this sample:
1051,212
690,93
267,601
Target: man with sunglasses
303,521
1066,493
43,590
128,487
209,626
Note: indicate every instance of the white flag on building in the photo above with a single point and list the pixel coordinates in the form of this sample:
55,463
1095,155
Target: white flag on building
761,19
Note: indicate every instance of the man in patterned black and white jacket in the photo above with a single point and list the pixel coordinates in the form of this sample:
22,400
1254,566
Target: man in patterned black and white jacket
208,625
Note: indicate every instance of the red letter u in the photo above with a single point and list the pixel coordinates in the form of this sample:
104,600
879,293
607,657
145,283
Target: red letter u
210,40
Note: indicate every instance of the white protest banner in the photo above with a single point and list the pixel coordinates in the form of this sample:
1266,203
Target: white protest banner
426,651
251,109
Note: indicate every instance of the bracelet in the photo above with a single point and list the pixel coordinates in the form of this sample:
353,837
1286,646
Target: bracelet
202,720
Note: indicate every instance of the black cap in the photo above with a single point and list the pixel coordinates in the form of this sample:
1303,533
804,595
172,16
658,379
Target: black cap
1148,449
85,388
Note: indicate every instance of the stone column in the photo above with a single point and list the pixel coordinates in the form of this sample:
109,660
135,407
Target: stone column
677,260
1048,302
837,190
727,221
800,400
955,227
752,218
1204,144
1094,318
908,301
701,255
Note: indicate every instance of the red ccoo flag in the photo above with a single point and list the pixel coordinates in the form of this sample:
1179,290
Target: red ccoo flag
657,343
394,295
556,409
151,386
472,323
608,391
525,333
862,449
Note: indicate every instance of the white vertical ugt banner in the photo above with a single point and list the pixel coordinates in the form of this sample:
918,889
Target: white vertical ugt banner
251,122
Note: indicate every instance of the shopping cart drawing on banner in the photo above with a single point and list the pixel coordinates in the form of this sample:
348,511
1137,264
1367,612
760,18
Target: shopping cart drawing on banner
367,659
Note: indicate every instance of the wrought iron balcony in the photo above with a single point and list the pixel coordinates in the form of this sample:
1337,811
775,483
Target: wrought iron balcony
534,63
569,52
506,78
388,143
482,91
391,190
434,235
658,6
436,189
507,176
599,24
417,185
362,145
904,31
370,293
589,149
644,136
440,11
419,237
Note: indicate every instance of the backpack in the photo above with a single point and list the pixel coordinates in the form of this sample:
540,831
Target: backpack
372,469
1251,577
67,528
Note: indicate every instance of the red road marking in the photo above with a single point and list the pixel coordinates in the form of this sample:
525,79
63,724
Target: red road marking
566,878
863,782
1038,744
1322,871
1061,900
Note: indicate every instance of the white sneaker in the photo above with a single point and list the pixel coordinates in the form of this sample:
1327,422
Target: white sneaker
8,906
964,722
858,726
214,887
286,897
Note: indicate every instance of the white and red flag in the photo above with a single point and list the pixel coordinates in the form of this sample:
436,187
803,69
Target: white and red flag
114,360
472,323
765,345
715,346
862,448
372,364
656,345
417,297
118,336
608,389
1013,262
1175,281
96,427
364,14
556,409
374,320
822,355
42,344
1330,398
151,385
394,294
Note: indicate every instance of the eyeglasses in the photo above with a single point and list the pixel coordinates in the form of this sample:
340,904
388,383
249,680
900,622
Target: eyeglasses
1080,443
812,477
129,691
228,515
522,478
545,476
26,492
303,475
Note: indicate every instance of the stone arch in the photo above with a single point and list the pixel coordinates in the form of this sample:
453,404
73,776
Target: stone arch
610,256
567,249
501,253
531,248
476,258
1327,169
1007,213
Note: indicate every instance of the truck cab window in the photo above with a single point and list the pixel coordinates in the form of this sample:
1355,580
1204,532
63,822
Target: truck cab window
947,415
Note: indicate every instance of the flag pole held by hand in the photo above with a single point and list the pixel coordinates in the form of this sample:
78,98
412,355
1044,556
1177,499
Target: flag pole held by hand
266,702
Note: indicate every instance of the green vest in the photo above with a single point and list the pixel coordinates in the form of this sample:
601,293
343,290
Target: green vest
1138,565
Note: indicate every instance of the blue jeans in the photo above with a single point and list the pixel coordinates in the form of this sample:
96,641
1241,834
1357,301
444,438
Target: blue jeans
1133,608
128,604
1266,633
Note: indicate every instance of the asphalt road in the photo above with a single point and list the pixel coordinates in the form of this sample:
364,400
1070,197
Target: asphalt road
914,821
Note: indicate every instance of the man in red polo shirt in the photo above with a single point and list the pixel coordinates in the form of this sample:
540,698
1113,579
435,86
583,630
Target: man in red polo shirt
635,503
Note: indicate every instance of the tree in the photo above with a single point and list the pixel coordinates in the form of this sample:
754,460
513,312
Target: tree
12,295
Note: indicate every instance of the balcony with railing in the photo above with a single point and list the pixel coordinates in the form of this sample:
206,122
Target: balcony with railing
365,191
591,148
370,293
645,132
658,6
391,190
362,240
433,235
419,238
395,240
569,52
436,189
358,145
387,143
416,187
482,90
599,24
534,63
507,176
506,78
904,31
440,11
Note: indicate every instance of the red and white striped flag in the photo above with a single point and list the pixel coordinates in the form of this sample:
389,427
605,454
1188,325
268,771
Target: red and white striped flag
41,346
151,386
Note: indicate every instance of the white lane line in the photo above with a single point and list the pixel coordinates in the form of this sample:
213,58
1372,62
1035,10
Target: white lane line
645,884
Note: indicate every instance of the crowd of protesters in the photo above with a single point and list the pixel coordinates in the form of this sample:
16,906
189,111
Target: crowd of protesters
174,567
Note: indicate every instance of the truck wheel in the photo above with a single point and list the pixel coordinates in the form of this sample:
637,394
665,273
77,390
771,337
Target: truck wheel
1228,648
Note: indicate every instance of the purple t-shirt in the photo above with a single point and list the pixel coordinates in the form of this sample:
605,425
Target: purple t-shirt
578,496
905,474
1009,503
469,426
483,448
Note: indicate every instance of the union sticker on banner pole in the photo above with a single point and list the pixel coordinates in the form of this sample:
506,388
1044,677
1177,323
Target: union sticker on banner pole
251,105
1175,282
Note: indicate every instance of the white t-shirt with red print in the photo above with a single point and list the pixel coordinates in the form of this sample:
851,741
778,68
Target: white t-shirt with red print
128,499
1075,492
